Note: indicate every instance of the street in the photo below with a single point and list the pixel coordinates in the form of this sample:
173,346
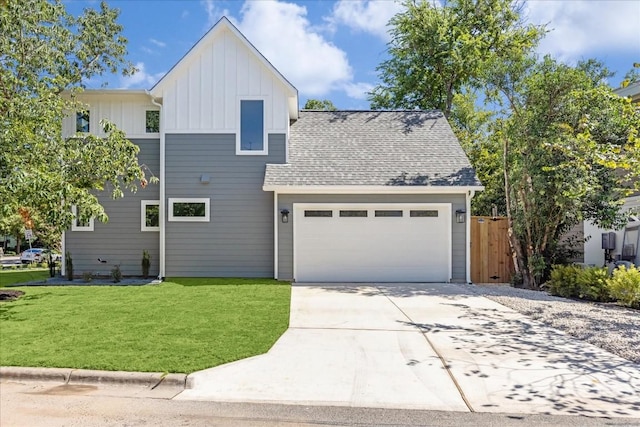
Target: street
34,404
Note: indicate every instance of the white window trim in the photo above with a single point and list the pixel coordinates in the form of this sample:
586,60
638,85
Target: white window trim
207,211
265,135
143,215
74,224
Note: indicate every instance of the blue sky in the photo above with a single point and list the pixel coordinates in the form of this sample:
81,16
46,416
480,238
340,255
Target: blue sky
330,49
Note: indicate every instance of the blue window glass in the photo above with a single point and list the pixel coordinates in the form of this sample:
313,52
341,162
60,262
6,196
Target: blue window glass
252,125
82,121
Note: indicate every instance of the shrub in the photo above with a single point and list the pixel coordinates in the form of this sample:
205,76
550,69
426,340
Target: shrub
624,286
146,263
87,276
68,263
592,284
116,274
564,280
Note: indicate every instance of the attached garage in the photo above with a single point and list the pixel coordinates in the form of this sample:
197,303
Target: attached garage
372,242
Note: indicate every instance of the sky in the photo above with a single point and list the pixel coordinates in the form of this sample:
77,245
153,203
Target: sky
330,49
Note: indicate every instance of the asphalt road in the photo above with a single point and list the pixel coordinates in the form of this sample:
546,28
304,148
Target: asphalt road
53,404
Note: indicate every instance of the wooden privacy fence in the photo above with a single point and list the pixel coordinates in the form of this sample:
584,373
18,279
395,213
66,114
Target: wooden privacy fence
491,260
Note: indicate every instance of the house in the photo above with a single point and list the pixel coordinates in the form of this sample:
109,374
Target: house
249,186
626,241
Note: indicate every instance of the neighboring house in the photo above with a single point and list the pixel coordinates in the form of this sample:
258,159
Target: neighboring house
593,252
252,187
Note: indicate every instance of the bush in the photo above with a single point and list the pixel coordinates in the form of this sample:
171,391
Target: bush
624,286
592,284
68,264
564,280
116,274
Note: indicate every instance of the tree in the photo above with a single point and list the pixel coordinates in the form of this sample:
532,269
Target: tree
316,104
46,56
570,151
437,51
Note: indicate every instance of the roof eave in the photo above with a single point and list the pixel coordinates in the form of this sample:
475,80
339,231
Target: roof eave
372,189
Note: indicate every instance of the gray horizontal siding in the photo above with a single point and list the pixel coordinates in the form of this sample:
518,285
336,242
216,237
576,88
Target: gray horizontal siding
120,240
238,240
285,231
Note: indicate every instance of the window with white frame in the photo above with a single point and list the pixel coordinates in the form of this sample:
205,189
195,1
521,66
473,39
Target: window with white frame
189,210
82,121
80,224
150,215
252,136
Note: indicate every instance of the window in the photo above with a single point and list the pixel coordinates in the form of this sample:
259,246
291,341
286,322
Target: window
252,135
80,224
359,214
82,121
390,213
423,214
150,216
189,210
325,214
152,121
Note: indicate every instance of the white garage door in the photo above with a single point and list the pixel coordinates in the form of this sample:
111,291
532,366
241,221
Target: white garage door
372,242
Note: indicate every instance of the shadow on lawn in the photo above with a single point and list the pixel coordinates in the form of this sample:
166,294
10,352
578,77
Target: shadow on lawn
7,308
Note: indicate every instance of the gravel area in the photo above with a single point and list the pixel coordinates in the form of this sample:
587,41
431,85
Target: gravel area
608,326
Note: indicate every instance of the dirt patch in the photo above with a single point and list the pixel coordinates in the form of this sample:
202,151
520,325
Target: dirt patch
10,294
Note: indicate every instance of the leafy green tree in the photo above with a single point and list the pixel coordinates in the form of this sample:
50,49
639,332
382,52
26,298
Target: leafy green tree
438,50
46,55
316,104
570,150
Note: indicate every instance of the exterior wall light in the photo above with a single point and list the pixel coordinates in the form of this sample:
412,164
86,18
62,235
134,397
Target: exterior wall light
285,215
461,216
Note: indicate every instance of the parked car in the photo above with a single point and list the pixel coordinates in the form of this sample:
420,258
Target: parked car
38,255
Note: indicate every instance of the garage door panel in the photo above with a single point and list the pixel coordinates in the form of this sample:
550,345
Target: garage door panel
371,248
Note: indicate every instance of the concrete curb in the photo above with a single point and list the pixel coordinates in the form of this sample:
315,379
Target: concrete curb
87,376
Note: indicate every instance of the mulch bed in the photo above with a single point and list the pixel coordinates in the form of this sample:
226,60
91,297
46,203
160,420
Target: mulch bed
10,294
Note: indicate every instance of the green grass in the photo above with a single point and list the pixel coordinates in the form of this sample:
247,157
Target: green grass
11,277
182,325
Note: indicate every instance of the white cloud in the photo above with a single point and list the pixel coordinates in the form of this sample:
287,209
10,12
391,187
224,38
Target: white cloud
283,34
213,12
368,16
358,90
141,79
581,28
158,42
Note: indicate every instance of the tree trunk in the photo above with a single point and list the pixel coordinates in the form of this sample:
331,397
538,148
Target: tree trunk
517,252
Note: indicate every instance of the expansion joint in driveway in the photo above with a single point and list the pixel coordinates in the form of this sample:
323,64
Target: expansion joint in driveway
440,356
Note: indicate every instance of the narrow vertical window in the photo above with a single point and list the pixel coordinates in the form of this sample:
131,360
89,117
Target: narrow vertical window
152,121
252,126
79,223
150,218
82,121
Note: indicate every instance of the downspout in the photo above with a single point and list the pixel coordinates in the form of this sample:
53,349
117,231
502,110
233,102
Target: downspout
162,247
276,215
469,196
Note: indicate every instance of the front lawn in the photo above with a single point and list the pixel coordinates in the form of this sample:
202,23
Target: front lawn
182,325
10,277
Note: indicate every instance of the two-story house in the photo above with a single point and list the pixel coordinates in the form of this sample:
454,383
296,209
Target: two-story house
249,186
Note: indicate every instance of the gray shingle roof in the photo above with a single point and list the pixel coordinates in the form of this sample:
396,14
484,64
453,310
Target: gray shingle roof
395,148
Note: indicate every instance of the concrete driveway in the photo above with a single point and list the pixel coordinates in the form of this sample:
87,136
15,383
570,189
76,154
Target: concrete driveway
431,346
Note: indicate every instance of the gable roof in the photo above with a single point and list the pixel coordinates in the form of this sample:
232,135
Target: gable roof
372,148
220,26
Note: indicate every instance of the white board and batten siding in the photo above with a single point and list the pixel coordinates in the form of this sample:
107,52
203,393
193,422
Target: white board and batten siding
126,109
203,95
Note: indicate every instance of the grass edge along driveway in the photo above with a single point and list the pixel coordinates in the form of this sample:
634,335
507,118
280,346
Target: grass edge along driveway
181,325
